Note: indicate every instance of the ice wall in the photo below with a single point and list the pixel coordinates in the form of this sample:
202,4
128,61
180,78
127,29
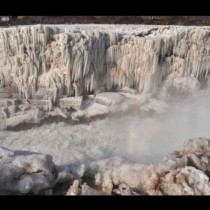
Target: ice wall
72,60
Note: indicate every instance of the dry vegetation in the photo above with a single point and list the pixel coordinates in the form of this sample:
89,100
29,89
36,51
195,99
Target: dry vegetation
173,20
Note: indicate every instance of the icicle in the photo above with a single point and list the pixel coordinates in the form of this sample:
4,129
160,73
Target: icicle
32,59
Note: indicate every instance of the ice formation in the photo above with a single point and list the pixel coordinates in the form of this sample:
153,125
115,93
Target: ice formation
82,72
177,174
180,173
25,172
45,65
68,62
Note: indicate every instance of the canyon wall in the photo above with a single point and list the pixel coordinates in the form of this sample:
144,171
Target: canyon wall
46,65
83,71
69,62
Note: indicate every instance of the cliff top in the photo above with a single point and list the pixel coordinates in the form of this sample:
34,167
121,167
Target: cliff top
156,20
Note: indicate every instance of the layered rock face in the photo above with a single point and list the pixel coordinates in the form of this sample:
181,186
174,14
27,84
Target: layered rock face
42,67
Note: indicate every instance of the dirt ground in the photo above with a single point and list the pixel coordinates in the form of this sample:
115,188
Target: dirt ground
172,20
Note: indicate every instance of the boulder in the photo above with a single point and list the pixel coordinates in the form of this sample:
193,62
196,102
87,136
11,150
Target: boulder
185,181
108,98
197,145
23,172
30,116
71,102
94,110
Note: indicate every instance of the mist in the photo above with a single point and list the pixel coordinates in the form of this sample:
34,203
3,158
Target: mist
141,139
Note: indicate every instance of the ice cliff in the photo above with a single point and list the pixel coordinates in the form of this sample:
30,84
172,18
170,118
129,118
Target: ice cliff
69,60
44,66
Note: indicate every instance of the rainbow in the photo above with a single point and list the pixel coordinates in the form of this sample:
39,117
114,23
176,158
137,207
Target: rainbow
131,129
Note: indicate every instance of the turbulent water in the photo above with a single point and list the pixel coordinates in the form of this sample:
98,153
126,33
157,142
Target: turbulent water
47,63
128,135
